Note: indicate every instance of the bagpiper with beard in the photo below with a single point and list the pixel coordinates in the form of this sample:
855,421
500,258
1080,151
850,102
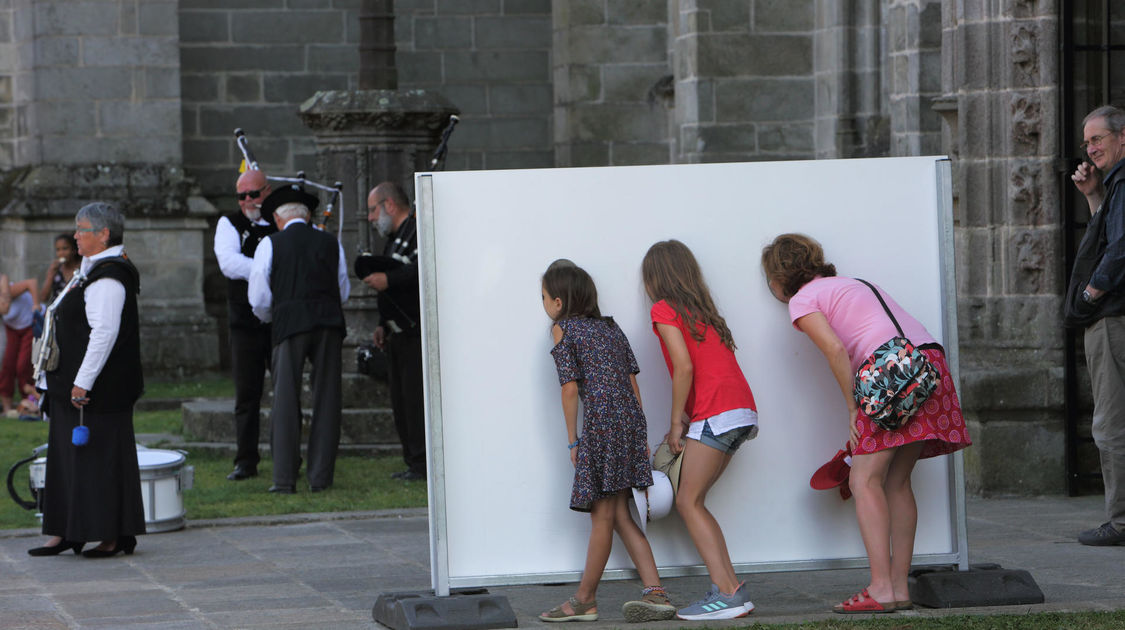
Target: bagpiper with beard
398,333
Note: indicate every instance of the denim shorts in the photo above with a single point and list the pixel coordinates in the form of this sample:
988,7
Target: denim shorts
728,442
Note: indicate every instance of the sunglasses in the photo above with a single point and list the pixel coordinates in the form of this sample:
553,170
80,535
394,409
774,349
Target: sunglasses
250,194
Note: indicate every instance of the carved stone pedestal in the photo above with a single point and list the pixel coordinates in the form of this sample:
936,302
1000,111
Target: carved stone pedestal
365,137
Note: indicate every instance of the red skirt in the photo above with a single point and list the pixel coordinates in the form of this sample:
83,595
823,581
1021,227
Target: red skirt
939,423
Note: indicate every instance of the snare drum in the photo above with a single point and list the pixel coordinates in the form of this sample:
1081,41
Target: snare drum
163,480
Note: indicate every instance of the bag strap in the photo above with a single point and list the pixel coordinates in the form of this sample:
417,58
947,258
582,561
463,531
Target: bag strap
885,307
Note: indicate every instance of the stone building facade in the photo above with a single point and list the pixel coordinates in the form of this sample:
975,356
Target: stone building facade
113,91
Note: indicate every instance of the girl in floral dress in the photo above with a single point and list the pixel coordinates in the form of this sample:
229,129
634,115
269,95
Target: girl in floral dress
610,458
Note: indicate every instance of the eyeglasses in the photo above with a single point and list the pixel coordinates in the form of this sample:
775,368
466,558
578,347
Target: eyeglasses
1095,141
377,205
250,194
84,230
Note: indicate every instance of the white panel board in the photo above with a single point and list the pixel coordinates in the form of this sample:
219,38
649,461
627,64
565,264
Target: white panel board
499,503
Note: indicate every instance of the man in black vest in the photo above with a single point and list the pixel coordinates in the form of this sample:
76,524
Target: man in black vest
388,209
236,237
299,281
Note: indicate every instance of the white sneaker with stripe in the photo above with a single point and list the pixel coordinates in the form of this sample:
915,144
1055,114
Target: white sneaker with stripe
715,605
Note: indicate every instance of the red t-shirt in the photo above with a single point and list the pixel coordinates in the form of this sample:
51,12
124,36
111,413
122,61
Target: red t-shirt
717,383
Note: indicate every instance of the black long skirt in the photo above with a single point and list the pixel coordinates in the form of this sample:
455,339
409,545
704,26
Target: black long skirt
93,492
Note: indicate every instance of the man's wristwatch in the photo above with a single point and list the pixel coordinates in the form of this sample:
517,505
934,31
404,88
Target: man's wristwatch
1087,298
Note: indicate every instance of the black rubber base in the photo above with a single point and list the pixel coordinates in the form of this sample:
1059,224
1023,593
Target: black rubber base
981,585
465,609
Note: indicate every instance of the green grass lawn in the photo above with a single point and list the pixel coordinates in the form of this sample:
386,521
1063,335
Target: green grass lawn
362,483
1038,621
209,386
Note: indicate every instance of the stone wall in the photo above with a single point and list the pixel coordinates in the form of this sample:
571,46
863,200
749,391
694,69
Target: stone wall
95,97
492,60
8,71
106,82
613,84
743,79
250,64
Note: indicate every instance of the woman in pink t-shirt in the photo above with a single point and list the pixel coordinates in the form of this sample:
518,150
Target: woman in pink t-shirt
712,414
846,321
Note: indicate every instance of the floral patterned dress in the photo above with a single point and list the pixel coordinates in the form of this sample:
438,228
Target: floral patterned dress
613,451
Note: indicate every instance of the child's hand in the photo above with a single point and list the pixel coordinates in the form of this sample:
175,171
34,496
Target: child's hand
675,438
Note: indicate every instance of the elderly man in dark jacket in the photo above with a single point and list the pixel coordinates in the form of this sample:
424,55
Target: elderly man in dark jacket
1095,302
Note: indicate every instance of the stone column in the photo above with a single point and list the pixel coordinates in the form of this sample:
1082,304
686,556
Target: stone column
1000,84
914,75
851,120
96,93
365,137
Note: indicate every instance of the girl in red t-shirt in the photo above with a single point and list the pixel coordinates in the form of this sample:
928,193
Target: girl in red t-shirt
712,414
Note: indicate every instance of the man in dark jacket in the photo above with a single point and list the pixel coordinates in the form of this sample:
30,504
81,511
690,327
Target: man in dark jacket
236,237
388,209
299,281
1095,302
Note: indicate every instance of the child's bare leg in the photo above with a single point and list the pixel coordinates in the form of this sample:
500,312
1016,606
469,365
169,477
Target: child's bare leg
5,295
597,552
700,469
640,552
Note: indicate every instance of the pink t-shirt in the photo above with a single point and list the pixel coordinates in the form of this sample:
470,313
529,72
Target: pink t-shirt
855,314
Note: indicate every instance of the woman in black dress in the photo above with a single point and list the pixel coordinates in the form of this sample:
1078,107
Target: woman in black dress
93,491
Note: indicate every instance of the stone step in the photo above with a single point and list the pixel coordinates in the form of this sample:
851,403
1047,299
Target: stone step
356,390
212,420
229,449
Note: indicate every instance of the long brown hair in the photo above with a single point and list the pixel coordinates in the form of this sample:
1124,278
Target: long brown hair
792,260
570,283
671,273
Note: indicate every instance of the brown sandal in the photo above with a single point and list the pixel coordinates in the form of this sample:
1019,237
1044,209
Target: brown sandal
581,611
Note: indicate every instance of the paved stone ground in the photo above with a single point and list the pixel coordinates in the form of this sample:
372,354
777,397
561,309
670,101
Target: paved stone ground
325,571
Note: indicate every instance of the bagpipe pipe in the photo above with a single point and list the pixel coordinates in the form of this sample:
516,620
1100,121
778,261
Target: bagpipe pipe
335,203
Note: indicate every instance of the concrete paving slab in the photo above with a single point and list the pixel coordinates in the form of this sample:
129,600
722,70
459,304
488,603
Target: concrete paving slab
325,571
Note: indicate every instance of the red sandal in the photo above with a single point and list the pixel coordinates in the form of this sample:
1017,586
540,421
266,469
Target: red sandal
862,603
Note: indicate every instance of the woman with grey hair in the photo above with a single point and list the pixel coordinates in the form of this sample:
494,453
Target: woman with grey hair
93,482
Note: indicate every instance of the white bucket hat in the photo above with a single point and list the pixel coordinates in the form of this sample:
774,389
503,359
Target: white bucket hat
653,502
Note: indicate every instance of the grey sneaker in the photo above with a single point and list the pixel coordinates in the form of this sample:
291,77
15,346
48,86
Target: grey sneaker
1102,536
715,605
652,606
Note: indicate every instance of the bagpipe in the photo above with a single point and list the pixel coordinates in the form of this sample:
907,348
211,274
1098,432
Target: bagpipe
335,203
336,199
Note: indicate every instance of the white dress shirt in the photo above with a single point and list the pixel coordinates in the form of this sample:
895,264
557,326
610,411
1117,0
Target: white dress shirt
228,250
105,300
259,293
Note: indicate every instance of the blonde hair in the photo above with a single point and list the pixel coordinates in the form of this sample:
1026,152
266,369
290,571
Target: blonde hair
671,273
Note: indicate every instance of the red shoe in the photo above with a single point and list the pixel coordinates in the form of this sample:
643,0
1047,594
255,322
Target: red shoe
862,603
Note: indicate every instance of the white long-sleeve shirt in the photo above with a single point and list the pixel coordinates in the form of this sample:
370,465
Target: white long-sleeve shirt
259,293
228,250
105,300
